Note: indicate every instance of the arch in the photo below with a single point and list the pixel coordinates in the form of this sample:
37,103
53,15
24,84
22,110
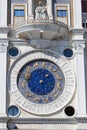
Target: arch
37,1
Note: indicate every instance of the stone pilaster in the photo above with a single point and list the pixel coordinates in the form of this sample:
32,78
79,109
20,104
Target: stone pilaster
3,73
80,76
49,9
3,126
77,13
30,9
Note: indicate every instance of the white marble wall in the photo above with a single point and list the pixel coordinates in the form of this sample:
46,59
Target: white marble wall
3,13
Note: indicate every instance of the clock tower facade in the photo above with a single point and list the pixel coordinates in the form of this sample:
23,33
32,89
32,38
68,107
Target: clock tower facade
43,59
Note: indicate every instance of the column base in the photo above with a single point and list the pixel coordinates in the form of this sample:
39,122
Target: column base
3,115
3,126
30,17
50,17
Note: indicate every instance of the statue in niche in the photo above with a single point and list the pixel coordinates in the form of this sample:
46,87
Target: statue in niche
41,12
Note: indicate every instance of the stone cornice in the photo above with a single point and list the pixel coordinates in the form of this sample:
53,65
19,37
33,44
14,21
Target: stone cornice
4,40
73,120
4,29
77,31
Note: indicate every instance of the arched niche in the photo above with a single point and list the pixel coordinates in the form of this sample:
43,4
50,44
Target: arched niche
48,3
36,2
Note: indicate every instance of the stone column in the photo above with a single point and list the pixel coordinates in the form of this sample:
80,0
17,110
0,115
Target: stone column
30,9
49,9
77,13
80,77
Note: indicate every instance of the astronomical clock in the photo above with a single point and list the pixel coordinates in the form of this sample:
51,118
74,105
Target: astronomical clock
41,82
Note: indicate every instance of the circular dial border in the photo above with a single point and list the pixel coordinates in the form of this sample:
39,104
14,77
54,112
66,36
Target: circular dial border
56,105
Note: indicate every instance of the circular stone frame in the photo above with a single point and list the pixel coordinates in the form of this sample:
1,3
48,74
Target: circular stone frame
16,55
16,114
42,109
69,111
68,51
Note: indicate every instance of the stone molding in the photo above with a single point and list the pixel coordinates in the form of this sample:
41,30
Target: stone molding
79,45
3,45
74,120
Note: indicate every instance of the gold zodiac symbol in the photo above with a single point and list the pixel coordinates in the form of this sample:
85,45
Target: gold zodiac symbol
27,76
36,99
55,95
58,77
46,100
27,69
23,84
43,64
36,64
29,94
53,69
59,86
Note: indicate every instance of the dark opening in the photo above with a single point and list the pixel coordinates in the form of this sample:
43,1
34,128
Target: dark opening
69,111
84,6
68,53
13,51
13,111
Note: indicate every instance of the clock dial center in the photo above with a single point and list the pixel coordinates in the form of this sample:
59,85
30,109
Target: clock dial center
39,84
41,81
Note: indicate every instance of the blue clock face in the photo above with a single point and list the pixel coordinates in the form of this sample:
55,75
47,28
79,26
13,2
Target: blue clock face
41,81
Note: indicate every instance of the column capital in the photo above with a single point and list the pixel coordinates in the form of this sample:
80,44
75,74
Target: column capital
77,31
3,126
3,45
77,34
79,45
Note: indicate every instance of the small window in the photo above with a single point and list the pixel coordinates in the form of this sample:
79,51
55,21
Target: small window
69,111
19,13
13,52
13,111
61,13
68,53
